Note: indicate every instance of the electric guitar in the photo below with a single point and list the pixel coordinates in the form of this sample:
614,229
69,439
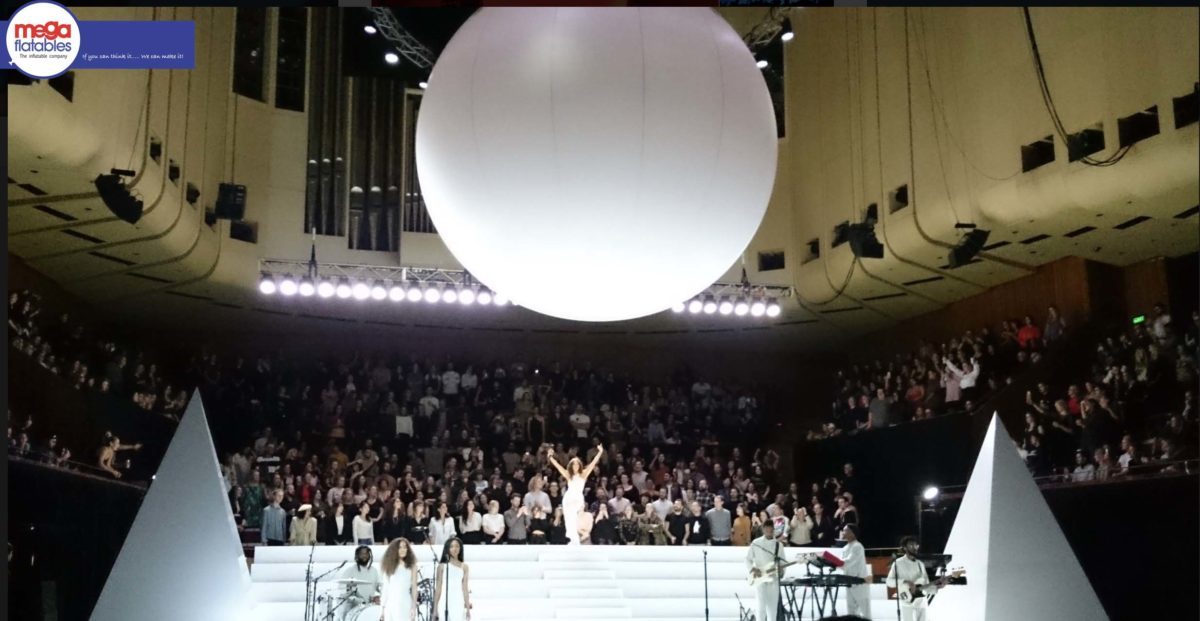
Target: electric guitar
911,594
769,574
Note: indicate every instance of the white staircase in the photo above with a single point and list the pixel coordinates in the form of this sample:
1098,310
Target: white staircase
584,583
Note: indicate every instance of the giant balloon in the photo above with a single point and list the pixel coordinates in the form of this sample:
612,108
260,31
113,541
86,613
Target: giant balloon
596,164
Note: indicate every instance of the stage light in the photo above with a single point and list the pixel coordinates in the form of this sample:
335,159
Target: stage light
466,297
695,306
369,29
758,309
423,84
710,306
307,289
499,299
288,285
449,296
396,293
414,294
741,308
378,291
391,58
432,295
484,297
788,34
488,226
678,307
361,291
761,64
930,493
267,285
326,289
725,307
773,308
344,290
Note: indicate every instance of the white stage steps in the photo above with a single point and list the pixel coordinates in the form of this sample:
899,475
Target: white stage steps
584,583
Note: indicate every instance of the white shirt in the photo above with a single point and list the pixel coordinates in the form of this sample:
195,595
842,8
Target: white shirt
762,553
441,531
581,422
471,524
493,522
429,404
910,570
662,507
363,529
1160,326
450,382
1086,472
469,381
855,558
538,498
369,574
965,380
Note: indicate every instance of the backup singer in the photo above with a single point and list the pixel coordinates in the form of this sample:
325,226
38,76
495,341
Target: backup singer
399,598
912,575
452,595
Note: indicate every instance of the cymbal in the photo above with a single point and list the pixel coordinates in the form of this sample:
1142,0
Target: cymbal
351,581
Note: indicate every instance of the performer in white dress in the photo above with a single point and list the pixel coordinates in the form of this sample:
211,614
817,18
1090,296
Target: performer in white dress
576,475
399,597
452,594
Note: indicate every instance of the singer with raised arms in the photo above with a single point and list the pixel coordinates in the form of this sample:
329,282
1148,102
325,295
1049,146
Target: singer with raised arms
576,475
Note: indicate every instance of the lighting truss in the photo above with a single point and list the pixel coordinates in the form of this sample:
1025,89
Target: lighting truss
424,276
406,45
767,29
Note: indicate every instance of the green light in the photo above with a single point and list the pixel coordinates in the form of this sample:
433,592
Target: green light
1139,319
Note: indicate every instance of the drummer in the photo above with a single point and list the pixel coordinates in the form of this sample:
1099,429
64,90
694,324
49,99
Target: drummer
363,580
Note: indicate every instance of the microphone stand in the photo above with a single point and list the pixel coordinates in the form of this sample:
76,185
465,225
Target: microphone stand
433,602
318,579
896,573
778,582
308,586
705,585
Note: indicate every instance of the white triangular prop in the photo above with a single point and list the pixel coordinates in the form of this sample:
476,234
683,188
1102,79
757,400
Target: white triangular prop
1019,565
182,558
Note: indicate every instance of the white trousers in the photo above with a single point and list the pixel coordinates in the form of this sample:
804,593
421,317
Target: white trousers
768,601
917,611
858,600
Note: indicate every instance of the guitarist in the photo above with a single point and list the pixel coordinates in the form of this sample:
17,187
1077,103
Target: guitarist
761,561
914,587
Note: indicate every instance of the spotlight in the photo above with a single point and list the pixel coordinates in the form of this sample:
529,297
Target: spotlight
725,307
758,309
288,285
773,308
466,297
391,58
761,64
307,289
499,299
432,295
370,29
787,35
679,307
423,84
361,291
267,284
449,296
326,289
695,306
378,291
344,290
741,308
484,297
930,493
396,293
414,294
710,306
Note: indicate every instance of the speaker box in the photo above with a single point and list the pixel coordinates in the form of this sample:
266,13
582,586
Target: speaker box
118,199
863,242
231,201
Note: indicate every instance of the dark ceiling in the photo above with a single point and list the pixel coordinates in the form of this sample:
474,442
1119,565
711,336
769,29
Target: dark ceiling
362,53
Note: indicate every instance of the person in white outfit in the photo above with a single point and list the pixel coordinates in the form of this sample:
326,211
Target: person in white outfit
399,597
366,590
858,597
441,528
761,559
576,475
912,576
452,594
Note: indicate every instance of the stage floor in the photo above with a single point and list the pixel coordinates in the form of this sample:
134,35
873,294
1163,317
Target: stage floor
584,583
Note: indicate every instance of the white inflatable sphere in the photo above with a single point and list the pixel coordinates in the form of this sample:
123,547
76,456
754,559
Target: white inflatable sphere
596,164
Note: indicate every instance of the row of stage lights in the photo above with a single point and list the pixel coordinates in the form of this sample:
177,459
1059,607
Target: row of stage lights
740,307
379,290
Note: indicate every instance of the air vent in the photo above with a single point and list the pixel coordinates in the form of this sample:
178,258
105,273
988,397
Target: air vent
83,236
190,296
1084,143
898,199
770,261
1128,224
1186,108
841,234
921,281
841,310
1138,126
813,253
109,257
1187,213
999,244
1080,231
888,296
147,277
1035,239
56,213
32,189
1037,154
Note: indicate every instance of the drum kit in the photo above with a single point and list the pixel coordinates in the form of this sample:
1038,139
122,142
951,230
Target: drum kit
342,602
